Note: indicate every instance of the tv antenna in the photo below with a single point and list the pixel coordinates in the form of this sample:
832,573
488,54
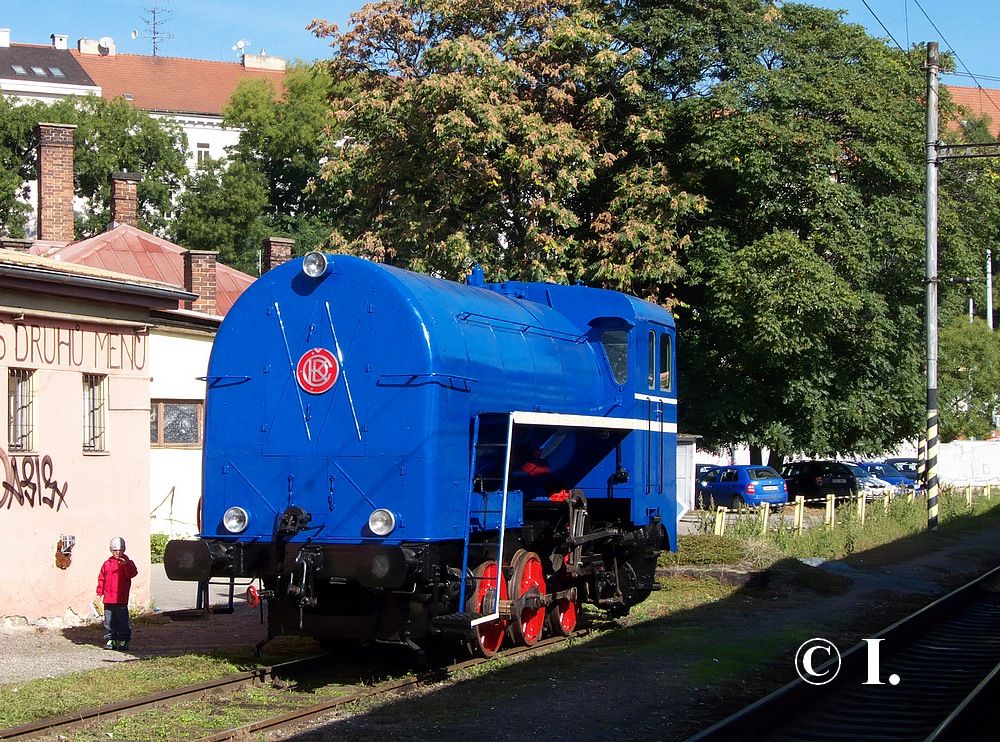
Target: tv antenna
241,46
154,20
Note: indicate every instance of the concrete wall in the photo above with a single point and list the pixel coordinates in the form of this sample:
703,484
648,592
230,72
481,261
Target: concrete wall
177,360
970,462
56,488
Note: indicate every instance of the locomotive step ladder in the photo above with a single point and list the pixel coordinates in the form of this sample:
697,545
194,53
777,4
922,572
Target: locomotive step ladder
496,442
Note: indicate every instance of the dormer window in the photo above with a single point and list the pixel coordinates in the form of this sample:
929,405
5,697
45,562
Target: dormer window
18,69
56,72
40,71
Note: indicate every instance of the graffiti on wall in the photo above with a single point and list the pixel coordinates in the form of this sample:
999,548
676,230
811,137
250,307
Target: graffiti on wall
71,346
29,480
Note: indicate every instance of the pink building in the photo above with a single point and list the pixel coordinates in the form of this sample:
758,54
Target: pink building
74,348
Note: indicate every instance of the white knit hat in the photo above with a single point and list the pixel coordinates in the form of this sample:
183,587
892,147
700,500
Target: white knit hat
117,544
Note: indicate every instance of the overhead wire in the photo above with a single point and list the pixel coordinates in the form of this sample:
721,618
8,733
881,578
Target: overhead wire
951,48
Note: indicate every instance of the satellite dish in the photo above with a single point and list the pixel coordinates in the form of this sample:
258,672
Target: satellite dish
134,34
104,45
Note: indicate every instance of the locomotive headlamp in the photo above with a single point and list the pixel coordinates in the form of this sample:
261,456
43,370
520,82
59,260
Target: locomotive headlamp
381,522
235,520
314,264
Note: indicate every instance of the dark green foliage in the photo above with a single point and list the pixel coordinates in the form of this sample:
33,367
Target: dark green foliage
110,136
969,372
222,208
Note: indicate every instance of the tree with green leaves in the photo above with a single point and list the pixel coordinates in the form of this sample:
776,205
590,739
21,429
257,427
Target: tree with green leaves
222,208
284,136
110,136
504,133
969,371
801,317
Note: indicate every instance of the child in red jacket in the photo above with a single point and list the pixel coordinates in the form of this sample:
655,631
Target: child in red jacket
113,585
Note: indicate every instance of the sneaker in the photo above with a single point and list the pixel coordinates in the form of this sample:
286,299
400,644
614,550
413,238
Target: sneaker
110,644
123,646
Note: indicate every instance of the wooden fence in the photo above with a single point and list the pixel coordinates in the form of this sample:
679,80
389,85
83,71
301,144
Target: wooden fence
861,502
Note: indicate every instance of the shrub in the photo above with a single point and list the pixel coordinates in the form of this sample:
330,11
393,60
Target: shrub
157,544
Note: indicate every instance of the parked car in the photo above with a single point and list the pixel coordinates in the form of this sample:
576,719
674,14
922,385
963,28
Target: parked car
889,473
818,479
741,484
908,467
701,469
868,484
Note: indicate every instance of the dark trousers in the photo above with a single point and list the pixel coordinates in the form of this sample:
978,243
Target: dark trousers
116,625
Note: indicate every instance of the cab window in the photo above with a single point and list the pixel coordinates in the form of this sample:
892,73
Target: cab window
666,358
615,344
651,375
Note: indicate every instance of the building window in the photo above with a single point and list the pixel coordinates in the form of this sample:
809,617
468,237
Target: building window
56,72
95,412
20,410
203,153
40,71
176,422
19,69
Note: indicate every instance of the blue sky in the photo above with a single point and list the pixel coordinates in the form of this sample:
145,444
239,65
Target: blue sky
208,29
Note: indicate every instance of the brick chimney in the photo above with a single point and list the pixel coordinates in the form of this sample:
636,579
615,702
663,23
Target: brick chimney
124,201
199,278
55,182
277,250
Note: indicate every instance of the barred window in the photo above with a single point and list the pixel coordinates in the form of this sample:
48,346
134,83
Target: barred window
20,409
95,412
176,422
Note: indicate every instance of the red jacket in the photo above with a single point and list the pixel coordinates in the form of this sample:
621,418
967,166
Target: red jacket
115,580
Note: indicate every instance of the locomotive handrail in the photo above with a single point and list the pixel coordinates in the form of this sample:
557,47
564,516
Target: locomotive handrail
212,379
521,327
450,381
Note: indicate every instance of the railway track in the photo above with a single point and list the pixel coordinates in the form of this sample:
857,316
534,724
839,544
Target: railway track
945,660
59,725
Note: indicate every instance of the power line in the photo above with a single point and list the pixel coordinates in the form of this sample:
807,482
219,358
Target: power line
953,51
884,28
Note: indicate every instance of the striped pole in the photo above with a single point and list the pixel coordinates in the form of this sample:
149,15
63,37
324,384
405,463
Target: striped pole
931,287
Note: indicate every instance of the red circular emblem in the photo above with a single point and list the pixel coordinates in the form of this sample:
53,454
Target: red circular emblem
317,370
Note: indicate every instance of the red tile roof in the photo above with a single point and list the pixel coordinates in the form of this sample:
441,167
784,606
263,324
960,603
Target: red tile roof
126,249
170,84
978,102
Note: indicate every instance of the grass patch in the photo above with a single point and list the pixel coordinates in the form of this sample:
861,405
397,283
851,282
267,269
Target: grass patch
704,548
36,699
899,532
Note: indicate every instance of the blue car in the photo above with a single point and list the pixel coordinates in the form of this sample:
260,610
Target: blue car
741,484
889,473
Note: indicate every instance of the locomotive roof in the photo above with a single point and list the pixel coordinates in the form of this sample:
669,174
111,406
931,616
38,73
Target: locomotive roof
587,301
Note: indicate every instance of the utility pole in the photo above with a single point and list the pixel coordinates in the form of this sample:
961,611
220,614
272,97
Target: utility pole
931,296
989,289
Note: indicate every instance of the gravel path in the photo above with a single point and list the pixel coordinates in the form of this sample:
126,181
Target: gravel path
30,653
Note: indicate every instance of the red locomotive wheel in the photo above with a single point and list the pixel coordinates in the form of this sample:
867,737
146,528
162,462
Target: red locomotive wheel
563,615
527,576
487,637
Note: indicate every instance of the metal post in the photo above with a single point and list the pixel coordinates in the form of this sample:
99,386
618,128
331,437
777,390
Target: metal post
989,289
931,298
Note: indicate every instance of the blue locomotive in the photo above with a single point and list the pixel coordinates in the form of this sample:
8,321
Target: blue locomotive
397,456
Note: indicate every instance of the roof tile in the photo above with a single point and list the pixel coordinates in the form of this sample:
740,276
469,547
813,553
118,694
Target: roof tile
170,84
